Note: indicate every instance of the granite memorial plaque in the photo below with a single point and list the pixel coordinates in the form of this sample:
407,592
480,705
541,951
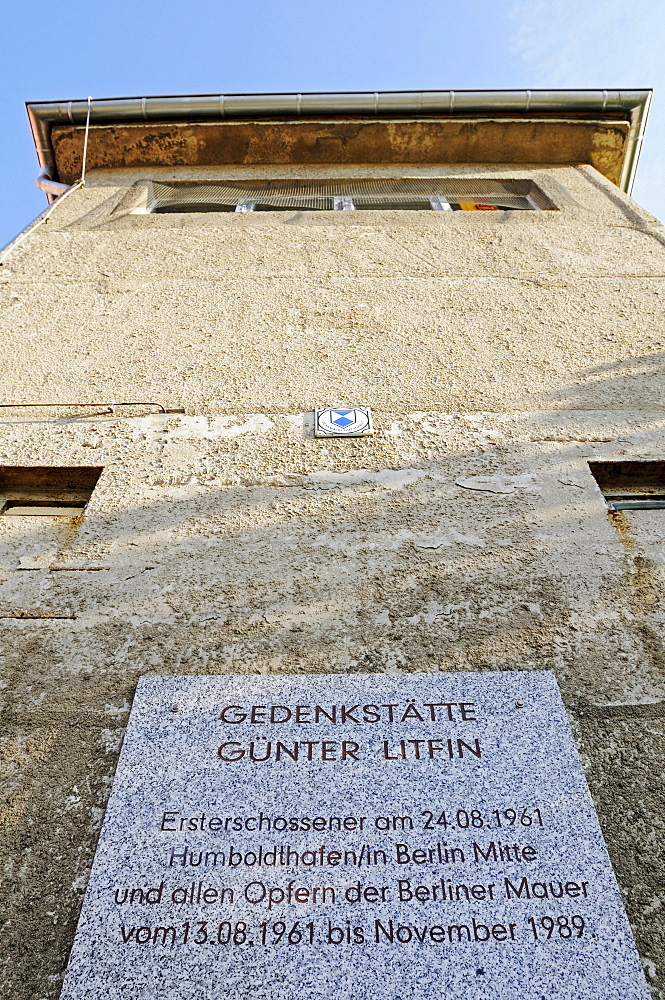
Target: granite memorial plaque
367,836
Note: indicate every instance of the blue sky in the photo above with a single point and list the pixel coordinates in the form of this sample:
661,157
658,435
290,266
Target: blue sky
128,49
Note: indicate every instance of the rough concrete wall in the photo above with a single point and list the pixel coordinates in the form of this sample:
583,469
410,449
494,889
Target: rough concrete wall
460,311
231,541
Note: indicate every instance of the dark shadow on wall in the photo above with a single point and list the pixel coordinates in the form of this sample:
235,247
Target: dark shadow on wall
302,578
631,214
314,575
628,384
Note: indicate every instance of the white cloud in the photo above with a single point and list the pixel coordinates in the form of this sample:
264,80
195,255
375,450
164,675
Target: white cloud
590,43
601,44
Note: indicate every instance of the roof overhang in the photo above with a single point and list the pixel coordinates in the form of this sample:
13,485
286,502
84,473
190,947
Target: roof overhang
602,127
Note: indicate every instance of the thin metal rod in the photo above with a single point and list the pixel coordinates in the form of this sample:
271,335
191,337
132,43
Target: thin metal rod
85,141
65,406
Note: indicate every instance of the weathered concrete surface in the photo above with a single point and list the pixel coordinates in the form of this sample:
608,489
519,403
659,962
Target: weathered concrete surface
466,535
625,759
529,310
429,140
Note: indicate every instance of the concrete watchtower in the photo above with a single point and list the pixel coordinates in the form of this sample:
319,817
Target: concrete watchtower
470,266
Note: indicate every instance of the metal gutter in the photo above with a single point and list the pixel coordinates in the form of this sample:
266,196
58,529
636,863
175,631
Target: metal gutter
50,187
638,123
634,104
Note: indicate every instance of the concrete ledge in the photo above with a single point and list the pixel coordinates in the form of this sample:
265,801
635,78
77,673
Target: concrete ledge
558,141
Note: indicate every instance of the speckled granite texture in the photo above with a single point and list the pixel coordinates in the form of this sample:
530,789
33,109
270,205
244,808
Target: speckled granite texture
433,838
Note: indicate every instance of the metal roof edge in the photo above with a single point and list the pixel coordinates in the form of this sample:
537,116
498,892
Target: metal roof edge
634,103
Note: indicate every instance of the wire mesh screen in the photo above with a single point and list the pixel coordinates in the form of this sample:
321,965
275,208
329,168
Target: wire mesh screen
313,195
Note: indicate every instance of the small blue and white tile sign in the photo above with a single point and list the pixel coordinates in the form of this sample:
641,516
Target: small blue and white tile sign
343,421
354,837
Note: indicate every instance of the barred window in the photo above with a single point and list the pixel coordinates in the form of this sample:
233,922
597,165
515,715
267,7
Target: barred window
631,485
370,194
46,491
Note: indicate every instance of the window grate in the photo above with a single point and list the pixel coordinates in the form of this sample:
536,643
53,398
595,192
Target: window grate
416,194
46,491
631,485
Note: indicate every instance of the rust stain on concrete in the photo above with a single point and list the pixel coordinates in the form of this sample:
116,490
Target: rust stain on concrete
443,140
